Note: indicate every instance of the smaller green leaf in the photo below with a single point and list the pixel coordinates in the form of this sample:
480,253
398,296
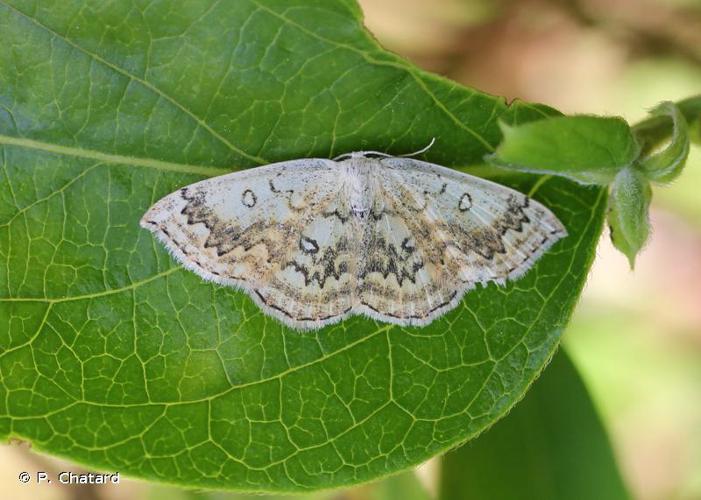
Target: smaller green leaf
628,212
666,164
587,149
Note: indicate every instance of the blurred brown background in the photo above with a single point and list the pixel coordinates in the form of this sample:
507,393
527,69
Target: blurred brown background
636,337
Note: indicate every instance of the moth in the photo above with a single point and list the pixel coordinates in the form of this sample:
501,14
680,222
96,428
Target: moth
314,241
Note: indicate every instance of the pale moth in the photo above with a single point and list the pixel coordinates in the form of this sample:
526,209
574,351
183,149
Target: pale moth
313,241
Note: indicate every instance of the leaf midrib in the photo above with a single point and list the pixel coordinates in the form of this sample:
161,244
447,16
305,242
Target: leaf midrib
415,75
109,158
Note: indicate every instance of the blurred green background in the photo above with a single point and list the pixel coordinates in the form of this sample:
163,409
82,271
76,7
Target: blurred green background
636,337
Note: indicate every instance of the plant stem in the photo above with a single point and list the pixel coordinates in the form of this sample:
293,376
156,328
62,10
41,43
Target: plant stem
658,129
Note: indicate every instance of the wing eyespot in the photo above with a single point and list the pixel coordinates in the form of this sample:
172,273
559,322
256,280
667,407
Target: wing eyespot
248,198
465,202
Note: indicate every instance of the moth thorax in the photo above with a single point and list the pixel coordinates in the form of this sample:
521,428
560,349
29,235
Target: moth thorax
359,192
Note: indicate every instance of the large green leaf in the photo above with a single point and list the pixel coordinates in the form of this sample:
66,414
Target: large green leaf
551,446
113,356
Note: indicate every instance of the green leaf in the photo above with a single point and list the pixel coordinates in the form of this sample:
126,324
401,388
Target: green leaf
114,356
551,446
587,149
628,216
667,164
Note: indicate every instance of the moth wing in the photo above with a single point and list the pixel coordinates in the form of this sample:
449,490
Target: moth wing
449,231
278,232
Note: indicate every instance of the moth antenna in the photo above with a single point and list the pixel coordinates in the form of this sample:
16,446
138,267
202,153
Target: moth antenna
423,150
365,154
340,157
